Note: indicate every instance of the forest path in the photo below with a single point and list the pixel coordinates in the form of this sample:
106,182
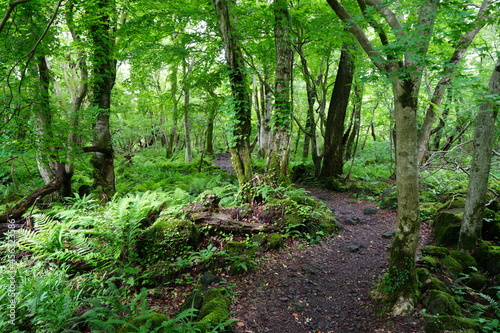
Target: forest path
324,287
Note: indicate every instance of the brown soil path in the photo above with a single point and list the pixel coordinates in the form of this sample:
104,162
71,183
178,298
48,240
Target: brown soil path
324,287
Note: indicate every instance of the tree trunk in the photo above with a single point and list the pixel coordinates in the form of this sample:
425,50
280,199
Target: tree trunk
484,134
333,156
278,160
188,154
169,149
240,141
353,137
404,70
103,79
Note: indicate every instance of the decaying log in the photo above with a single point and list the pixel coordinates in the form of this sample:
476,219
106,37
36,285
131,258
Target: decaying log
15,213
224,222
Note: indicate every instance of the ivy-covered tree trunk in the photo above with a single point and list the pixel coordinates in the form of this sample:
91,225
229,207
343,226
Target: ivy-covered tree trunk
484,134
188,154
239,145
103,79
279,151
333,156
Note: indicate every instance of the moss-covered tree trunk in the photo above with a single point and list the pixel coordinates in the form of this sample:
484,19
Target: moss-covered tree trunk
484,134
103,80
278,158
240,143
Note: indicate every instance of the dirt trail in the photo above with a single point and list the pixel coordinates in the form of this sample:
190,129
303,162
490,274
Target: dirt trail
324,287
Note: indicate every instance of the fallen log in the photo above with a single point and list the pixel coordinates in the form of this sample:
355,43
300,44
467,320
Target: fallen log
224,222
15,213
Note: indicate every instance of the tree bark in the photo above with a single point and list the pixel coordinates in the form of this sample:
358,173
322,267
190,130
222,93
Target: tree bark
240,141
333,156
484,134
278,160
103,79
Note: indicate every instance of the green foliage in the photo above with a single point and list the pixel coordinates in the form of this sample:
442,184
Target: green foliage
46,300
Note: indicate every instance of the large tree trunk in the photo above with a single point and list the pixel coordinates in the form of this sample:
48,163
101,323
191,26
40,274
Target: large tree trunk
484,134
240,141
103,79
279,152
169,149
333,156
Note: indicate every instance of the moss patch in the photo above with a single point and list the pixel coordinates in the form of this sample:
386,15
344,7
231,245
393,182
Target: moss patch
439,302
447,226
435,251
215,308
438,324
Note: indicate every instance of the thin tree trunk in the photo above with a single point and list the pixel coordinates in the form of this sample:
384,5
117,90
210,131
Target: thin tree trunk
355,122
484,134
188,154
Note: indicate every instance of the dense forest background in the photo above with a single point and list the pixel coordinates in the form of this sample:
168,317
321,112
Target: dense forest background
112,114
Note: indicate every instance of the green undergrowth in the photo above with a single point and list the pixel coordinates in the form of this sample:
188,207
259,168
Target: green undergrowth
94,266
458,291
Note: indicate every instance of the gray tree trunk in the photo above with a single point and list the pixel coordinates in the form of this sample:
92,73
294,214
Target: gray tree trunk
484,134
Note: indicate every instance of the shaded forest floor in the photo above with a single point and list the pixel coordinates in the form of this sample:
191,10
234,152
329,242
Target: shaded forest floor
324,287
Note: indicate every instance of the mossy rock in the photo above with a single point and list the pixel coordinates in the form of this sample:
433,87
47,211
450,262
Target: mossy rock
141,323
389,198
215,309
488,258
441,303
369,188
438,324
428,210
274,241
431,261
238,248
467,261
435,251
166,237
491,229
306,215
447,226
428,282
452,265
476,281
455,202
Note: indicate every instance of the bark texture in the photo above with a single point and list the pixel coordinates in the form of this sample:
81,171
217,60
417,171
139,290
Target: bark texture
484,134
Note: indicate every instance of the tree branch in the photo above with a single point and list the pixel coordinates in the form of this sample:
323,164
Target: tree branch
6,16
378,60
